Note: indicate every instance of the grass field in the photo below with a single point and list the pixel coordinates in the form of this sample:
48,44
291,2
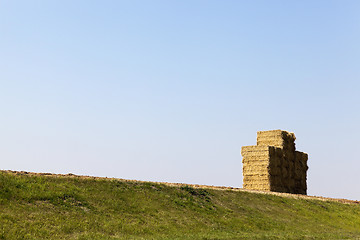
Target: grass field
43,207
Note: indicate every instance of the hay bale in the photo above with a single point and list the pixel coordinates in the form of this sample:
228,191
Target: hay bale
256,148
277,138
259,154
274,164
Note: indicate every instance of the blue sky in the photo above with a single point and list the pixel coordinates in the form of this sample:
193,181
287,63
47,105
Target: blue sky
170,90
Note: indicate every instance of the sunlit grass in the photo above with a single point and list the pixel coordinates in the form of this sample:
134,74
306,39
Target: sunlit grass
40,207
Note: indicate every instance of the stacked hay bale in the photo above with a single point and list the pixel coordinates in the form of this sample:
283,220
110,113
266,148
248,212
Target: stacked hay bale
256,167
273,164
300,172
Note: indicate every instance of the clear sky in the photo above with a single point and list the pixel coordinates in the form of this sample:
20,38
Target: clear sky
171,90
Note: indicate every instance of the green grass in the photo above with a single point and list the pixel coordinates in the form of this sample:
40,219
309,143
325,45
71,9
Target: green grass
40,207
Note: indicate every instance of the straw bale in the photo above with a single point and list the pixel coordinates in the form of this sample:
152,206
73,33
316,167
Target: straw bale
276,137
262,155
255,148
259,154
269,133
270,142
259,172
255,159
261,187
270,138
257,182
274,164
256,162
255,173
259,168
251,166
256,178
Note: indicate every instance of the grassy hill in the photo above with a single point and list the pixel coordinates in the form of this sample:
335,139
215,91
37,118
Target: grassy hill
53,207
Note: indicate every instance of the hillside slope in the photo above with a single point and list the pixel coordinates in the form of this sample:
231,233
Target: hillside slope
60,207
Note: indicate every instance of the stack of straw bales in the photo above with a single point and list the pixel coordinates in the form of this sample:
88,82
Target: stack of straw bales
273,164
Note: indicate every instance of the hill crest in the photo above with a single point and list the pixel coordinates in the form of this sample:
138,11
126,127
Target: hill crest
288,195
